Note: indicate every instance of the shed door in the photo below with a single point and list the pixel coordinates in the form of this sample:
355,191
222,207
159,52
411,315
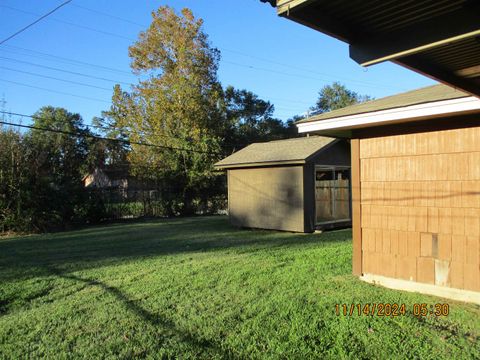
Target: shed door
332,194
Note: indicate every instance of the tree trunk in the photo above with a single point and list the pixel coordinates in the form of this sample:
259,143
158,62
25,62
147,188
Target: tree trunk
188,208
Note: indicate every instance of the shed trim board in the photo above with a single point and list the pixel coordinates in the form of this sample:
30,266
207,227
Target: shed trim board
260,164
356,207
389,116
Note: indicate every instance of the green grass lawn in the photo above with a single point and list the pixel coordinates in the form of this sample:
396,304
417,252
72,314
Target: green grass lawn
198,288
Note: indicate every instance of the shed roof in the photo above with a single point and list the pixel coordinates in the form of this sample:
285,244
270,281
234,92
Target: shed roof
419,96
291,151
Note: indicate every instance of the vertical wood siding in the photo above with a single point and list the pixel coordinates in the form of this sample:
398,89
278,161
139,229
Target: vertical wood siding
420,205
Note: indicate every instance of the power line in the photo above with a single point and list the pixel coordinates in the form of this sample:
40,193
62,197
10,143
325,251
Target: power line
234,63
70,23
329,76
126,142
100,78
87,85
289,66
40,118
109,15
113,80
71,60
225,61
36,21
110,80
103,128
55,78
64,71
66,60
292,75
55,91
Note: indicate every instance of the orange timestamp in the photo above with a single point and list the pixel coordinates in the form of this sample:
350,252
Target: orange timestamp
386,309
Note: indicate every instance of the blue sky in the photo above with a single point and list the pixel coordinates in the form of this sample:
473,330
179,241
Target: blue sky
277,59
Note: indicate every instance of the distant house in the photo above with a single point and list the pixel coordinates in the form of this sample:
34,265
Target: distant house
293,185
115,177
108,177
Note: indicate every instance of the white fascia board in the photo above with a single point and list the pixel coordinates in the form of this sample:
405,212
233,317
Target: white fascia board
383,117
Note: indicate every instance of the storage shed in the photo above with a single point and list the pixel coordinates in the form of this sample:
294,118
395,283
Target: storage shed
292,185
415,189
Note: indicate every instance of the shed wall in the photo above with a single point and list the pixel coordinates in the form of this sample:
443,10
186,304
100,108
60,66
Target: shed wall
420,207
337,154
268,198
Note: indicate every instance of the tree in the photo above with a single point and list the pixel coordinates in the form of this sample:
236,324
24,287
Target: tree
291,126
13,175
250,119
336,96
112,124
41,172
178,107
57,163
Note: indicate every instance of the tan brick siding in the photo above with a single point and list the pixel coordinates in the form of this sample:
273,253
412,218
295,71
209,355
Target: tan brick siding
420,203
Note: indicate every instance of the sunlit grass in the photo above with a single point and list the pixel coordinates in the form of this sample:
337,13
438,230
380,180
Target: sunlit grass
199,288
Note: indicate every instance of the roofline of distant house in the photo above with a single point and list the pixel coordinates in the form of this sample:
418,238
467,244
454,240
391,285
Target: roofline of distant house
396,115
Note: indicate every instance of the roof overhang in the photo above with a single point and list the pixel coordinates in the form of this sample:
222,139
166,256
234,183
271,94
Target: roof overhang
439,39
345,124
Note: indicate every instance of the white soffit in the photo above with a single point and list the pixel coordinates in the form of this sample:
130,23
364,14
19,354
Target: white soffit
383,117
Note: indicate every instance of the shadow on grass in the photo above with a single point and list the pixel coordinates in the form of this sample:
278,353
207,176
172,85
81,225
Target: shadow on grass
100,245
156,320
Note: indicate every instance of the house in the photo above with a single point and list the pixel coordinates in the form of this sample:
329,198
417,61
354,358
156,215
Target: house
107,177
292,185
116,177
415,188
416,156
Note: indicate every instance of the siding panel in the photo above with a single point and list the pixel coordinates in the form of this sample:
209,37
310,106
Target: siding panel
421,203
268,198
